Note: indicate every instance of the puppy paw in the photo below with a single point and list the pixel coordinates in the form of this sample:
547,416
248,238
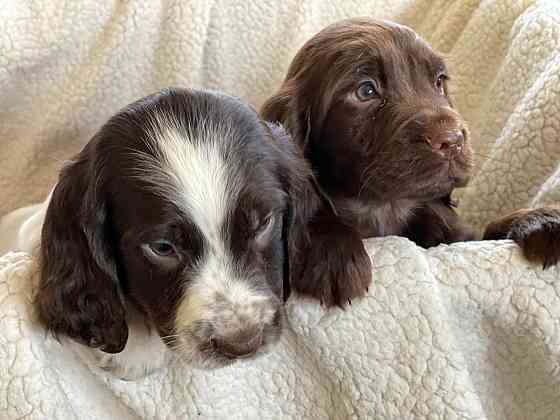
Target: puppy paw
143,355
537,232
336,268
120,369
538,235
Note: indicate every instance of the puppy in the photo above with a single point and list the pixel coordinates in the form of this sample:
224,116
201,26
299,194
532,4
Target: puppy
367,101
175,228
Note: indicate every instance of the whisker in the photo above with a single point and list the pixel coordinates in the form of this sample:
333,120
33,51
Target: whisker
491,158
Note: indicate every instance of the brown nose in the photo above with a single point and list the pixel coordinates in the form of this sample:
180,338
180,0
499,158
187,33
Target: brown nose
240,345
447,141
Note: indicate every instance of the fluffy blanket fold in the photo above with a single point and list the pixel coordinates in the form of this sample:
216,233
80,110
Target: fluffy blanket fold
468,331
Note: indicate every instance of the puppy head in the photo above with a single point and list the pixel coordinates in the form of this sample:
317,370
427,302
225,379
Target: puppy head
368,102
183,205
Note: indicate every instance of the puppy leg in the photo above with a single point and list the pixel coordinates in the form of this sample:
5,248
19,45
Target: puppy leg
334,265
537,232
139,359
143,354
437,223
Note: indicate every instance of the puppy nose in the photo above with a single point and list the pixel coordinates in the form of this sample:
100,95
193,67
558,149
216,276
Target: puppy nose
447,141
239,345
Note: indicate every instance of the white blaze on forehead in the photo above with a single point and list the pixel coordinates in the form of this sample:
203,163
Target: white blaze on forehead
201,181
193,174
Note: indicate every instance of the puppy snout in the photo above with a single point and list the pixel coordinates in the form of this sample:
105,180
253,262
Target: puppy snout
239,345
446,141
240,328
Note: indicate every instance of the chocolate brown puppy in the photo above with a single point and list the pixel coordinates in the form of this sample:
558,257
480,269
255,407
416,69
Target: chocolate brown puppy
368,103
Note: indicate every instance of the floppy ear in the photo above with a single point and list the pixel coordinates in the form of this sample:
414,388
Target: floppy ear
326,258
286,108
78,292
303,202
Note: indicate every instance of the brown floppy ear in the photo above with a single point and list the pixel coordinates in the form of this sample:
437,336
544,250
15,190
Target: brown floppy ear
78,292
286,108
303,202
326,259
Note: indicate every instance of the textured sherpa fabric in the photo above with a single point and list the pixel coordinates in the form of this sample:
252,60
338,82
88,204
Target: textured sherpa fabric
468,331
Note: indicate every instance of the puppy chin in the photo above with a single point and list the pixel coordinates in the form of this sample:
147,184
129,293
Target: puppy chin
421,191
201,356
459,173
450,173
198,358
195,349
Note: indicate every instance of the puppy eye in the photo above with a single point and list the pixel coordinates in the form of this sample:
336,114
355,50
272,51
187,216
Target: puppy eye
161,253
160,248
265,223
366,91
264,230
440,83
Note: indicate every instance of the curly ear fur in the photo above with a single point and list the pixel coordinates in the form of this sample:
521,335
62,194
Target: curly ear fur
280,108
326,259
78,293
297,103
303,201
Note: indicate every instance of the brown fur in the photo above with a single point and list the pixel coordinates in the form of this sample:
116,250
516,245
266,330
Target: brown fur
388,163
536,231
102,216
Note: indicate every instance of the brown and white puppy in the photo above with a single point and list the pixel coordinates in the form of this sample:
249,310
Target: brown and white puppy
367,102
176,224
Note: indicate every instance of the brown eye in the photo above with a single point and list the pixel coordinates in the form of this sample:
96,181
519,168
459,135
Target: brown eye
160,248
162,254
366,91
264,230
265,224
440,83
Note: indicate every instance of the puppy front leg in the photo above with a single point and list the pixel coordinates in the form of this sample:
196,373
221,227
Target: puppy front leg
143,354
334,266
536,231
437,223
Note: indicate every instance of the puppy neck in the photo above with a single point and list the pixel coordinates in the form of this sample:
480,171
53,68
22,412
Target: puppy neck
376,218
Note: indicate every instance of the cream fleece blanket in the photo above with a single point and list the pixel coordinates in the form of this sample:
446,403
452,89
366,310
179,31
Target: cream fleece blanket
462,332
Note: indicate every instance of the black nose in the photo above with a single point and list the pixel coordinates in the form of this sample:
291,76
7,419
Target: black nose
239,345
446,141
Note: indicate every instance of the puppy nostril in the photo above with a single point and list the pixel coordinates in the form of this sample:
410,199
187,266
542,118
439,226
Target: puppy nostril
458,137
450,140
237,346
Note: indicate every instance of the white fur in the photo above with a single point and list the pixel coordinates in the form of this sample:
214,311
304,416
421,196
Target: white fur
143,354
195,176
200,176
21,229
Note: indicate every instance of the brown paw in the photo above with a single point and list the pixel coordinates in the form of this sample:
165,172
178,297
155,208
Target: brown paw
335,268
537,232
538,235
